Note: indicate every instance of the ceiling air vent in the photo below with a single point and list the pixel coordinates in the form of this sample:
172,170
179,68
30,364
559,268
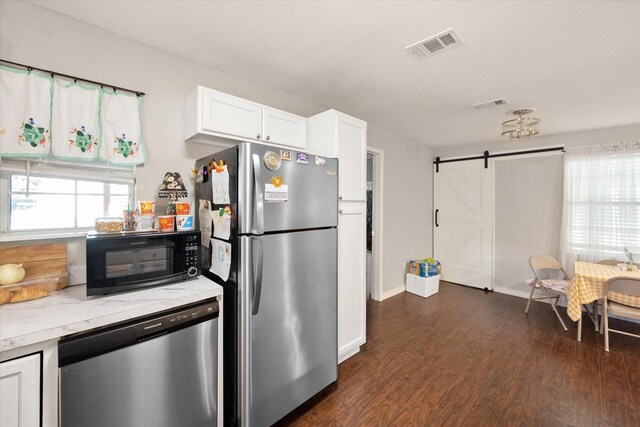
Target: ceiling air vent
427,47
489,104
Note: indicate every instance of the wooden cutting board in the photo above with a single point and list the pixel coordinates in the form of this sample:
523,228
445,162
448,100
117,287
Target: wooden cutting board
45,267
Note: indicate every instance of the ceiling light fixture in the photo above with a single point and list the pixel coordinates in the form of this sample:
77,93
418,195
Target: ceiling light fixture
522,127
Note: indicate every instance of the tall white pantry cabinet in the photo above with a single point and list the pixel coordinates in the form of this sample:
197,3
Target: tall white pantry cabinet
335,134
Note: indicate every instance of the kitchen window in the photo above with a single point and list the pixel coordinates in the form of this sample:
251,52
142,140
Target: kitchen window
43,200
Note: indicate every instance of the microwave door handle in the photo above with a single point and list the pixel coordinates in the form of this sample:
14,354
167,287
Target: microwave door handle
257,275
258,197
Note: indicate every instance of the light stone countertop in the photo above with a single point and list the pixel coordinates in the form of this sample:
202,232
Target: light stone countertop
70,310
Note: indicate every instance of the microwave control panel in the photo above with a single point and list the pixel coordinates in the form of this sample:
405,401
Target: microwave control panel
192,253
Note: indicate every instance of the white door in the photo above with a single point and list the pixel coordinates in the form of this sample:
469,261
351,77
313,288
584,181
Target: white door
352,153
224,113
463,228
280,127
20,392
351,278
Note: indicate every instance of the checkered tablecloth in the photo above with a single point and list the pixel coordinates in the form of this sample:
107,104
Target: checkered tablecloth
588,286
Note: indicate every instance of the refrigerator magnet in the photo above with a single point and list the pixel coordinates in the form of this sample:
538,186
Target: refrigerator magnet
321,161
285,155
271,160
302,158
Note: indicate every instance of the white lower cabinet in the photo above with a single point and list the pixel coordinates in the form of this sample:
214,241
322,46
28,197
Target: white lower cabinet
20,392
352,220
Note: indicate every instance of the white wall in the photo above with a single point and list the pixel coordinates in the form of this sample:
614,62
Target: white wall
36,36
407,202
528,215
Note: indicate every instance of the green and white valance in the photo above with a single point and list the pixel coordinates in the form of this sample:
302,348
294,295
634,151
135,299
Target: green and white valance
75,121
25,113
42,116
121,130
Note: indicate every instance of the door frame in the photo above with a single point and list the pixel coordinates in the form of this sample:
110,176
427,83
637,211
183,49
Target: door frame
377,240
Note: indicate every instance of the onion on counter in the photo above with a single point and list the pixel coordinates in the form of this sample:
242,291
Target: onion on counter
11,273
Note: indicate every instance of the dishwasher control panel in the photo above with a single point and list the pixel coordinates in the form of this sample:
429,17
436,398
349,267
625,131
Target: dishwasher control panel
161,324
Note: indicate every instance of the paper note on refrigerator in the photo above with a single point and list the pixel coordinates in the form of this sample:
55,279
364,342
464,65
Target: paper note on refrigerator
221,224
205,221
220,258
220,183
276,194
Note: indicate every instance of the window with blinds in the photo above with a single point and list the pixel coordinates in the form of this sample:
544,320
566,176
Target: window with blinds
41,199
602,198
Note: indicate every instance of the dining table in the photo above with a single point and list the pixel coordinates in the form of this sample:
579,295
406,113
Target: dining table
588,286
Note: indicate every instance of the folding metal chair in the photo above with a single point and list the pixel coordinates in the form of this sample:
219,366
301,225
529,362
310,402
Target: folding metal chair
622,289
551,279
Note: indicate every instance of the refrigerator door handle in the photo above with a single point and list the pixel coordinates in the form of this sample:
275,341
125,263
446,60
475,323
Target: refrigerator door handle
257,275
258,219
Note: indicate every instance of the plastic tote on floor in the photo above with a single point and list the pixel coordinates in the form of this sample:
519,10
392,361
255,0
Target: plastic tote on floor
423,286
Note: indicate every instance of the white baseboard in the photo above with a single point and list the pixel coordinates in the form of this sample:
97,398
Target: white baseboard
348,354
509,291
393,292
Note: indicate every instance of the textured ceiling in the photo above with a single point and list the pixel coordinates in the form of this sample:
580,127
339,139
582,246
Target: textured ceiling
578,63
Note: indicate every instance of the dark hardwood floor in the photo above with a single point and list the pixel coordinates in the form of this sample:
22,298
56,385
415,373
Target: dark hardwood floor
465,357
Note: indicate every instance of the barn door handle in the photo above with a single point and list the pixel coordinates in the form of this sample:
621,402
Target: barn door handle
437,210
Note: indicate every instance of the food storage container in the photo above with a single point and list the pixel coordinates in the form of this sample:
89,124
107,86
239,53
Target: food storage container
109,225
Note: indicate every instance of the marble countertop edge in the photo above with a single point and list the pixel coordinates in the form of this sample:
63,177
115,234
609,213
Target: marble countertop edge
27,323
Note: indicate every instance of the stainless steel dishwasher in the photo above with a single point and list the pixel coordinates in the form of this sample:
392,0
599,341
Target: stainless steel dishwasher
159,370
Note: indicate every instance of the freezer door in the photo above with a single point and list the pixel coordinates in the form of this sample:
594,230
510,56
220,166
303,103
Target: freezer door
290,315
307,198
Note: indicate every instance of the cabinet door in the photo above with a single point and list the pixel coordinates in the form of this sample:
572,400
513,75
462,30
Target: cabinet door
284,128
351,278
20,392
352,152
230,115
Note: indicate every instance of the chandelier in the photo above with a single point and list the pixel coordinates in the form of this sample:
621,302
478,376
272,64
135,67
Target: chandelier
522,127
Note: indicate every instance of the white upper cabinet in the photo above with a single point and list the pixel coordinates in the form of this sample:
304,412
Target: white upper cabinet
335,134
280,127
221,119
223,113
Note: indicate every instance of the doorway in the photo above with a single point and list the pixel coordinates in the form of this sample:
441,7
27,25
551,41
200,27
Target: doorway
375,167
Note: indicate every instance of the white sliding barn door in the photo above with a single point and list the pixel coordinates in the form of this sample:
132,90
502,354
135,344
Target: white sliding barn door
463,222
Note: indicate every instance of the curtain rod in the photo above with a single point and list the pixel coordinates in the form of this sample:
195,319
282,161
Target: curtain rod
74,78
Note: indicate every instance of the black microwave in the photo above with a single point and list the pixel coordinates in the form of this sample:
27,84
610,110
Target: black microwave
122,262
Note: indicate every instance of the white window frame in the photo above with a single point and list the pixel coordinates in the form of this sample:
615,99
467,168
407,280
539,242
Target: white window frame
106,174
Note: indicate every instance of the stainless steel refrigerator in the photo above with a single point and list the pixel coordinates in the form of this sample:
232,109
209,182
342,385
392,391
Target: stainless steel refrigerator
280,298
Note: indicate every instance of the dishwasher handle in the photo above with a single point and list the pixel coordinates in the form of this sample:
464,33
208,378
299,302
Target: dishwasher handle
104,340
